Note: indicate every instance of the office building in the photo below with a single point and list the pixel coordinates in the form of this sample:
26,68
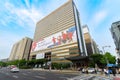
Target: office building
59,36
21,49
115,31
95,47
91,45
4,60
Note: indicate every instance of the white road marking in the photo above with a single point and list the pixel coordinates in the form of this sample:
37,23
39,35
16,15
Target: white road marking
40,77
15,76
41,74
7,73
24,73
29,72
64,77
2,72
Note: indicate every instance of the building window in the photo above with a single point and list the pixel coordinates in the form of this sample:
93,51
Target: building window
118,27
74,50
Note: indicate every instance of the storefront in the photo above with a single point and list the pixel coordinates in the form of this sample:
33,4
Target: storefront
79,61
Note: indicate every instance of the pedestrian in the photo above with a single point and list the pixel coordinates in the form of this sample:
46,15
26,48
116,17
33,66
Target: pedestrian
114,71
106,72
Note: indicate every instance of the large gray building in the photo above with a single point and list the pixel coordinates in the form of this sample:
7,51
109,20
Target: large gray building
21,49
115,30
59,35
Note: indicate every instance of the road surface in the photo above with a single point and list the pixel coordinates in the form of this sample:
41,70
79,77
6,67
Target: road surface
5,74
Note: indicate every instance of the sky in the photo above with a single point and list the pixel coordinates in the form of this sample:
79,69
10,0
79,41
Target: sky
18,19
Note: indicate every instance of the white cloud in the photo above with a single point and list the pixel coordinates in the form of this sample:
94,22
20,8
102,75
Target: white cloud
27,3
98,18
25,17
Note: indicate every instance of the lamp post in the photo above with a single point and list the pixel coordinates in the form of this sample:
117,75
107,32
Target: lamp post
18,61
104,53
104,48
106,57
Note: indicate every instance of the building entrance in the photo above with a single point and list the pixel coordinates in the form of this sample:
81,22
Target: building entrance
48,56
79,61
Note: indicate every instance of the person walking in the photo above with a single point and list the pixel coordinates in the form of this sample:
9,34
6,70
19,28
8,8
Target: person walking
114,71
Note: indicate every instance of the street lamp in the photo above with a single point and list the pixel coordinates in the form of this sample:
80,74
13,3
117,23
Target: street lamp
18,61
105,56
104,48
104,53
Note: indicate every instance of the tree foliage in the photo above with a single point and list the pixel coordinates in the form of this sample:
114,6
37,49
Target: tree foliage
101,60
3,64
96,59
108,58
60,65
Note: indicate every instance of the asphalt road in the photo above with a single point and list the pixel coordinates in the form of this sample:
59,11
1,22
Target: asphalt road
90,77
5,74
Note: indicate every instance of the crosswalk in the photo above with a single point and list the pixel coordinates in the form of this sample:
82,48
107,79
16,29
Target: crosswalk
31,75
90,77
17,76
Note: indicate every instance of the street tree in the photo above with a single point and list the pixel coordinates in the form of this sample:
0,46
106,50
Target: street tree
108,58
3,64
96,59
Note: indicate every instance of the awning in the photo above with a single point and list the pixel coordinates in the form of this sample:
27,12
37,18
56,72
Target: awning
111,65
76,58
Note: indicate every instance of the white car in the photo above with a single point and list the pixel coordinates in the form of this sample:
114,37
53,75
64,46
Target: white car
91,70
15,69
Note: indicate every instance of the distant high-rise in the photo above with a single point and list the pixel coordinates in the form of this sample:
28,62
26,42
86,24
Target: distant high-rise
91,45
21,49
115,30
59,35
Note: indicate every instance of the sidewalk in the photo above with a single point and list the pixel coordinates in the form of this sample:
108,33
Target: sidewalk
117,77
59,71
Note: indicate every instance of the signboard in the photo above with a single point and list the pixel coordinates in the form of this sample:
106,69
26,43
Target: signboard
63,37
40,56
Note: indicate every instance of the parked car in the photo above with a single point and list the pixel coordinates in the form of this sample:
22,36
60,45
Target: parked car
91,70
15,69
11,66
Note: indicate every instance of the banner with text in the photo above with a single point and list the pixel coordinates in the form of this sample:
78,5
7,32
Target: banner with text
63,37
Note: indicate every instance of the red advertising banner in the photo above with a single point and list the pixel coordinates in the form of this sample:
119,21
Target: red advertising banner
63,37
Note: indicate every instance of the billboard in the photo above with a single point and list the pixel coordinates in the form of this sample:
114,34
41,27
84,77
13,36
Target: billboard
62,37
40,56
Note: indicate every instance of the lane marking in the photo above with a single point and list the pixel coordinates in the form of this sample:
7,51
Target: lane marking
41,74
40,77
64,77
15,76
7,73
29,72
24,73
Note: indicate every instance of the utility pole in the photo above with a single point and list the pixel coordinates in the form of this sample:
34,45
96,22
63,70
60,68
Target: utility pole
105,56
104,53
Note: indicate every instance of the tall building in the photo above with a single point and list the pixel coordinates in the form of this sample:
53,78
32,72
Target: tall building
91,45
115,31
4,60
59,36
95,47
21,49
